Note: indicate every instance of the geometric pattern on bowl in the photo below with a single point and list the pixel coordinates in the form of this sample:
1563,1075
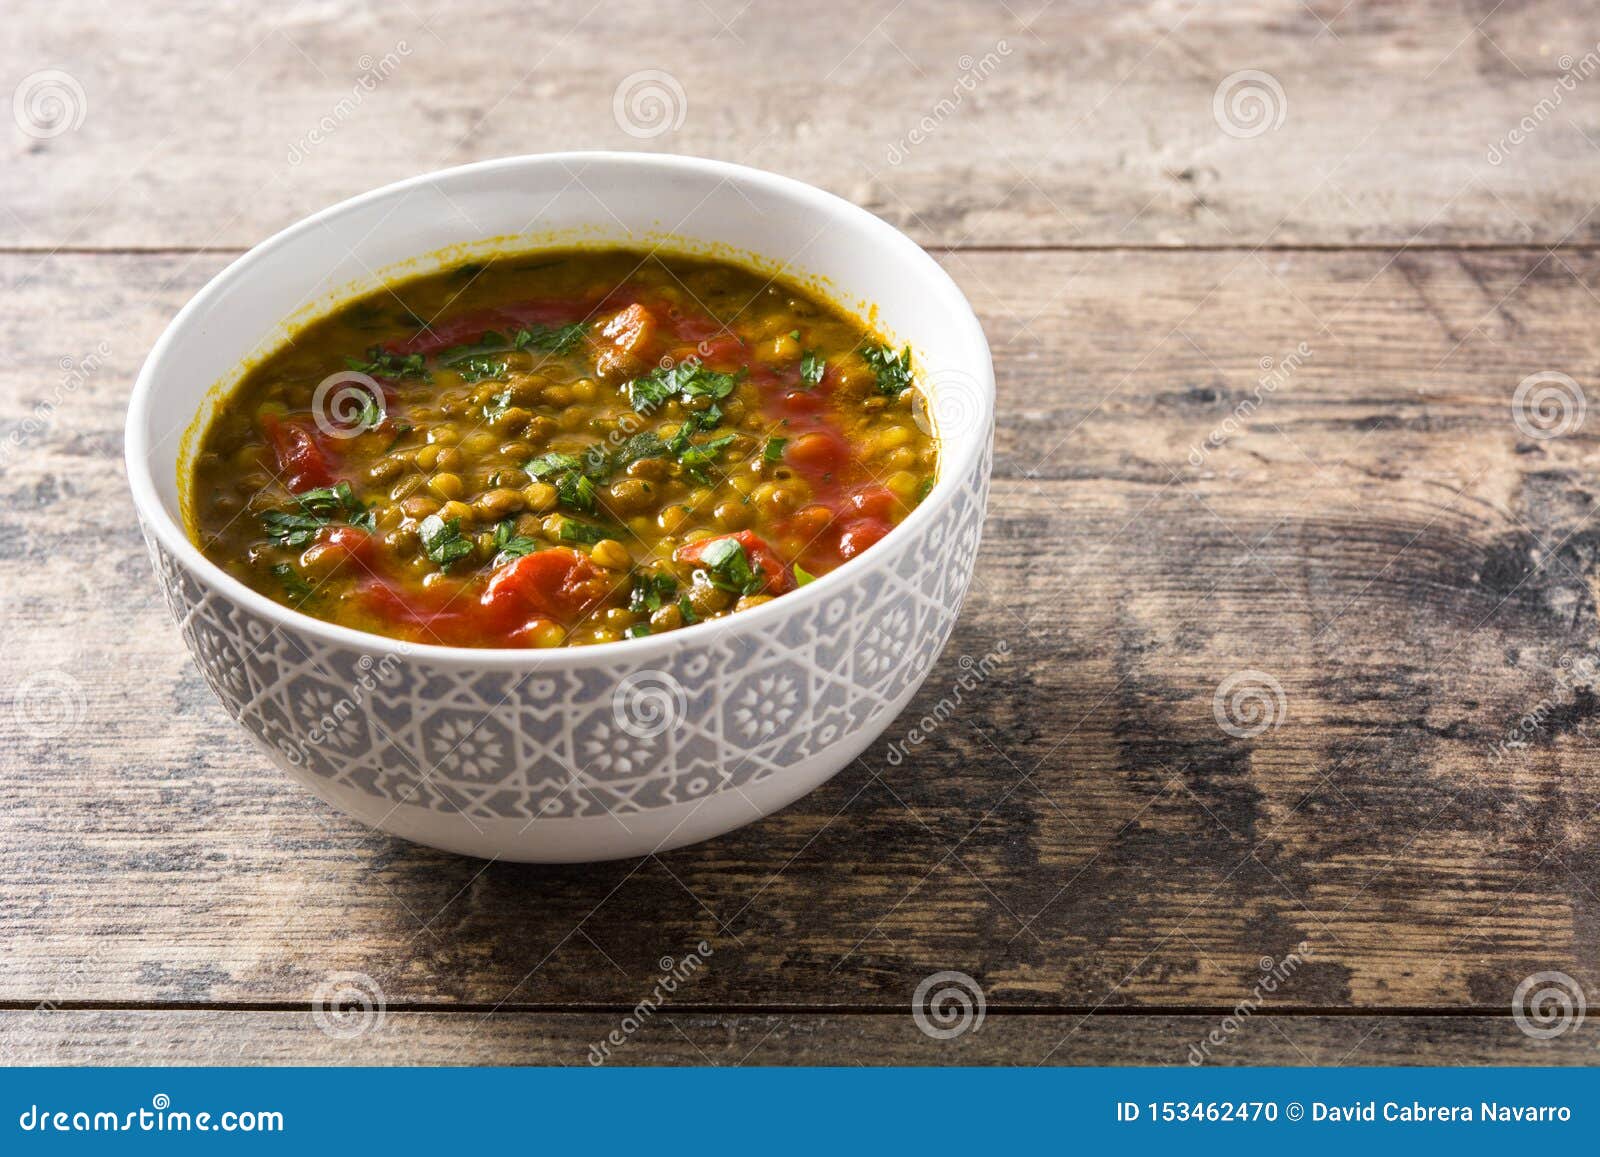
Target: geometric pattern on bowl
518,745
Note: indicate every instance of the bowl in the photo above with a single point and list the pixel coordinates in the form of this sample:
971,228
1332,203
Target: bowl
585,753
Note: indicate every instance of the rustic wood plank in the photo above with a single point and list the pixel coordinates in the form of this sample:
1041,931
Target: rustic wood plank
675,1037
1079,123
1380,539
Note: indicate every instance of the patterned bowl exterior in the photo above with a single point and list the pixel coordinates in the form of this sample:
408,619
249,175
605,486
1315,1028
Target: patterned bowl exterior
386,735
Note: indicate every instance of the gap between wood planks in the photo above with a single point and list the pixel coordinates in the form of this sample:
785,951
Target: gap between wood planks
1485,1012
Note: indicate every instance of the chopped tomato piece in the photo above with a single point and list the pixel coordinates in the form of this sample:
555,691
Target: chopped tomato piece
721,353
876,503
338,547
626,343
558,583
302,461
763,559
859,535
428,613
818,452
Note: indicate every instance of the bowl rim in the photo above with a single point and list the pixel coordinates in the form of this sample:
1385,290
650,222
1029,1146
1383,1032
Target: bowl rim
952,474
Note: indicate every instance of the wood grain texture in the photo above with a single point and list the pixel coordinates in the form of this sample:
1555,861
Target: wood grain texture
1378,537
1078,123
675,1037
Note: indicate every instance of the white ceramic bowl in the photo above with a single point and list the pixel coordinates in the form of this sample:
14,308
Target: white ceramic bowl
584,753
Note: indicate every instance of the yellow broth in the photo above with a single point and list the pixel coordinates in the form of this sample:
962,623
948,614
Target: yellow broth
561,448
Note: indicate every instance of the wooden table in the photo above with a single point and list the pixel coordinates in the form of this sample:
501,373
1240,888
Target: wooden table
1400,560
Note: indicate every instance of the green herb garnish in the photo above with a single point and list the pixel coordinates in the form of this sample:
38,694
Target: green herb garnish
550,339
574,531
481,368
773,452
637,631
381,363
577,490
893,369
442,541
508,544
811,367
295,588
687,379
651,591
554,462
729,566
317,508
696,458
686,609
494,409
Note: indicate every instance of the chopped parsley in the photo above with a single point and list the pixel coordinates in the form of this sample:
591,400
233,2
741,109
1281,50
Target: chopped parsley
637,631
706,419
696,458
773,452
577,476
482,368
480,360
316,508
892,369
811,367
295,588
550,339
442,540
381,363
495,407
554,462
729,567
574,531
508,544
686,609
577,490
651,591
687,379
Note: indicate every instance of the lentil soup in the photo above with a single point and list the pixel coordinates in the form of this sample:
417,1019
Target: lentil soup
560,449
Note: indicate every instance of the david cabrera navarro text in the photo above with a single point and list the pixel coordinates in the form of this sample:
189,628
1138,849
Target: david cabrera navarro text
1416,1111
